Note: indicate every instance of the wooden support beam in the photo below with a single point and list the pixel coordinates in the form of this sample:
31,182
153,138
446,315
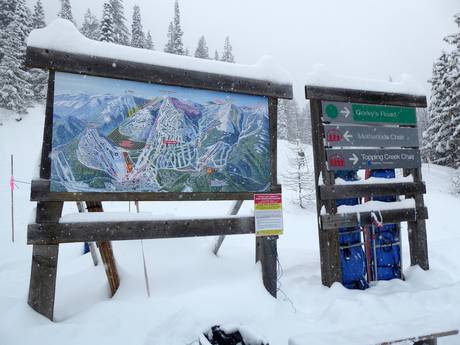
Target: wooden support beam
267,254
343,220
334,192
233,211
43,271
40,191
135,230
120,69
105,249
364,96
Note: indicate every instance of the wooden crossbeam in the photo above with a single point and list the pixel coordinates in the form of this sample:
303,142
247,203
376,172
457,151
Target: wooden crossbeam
120,69
364,96
343,220
334,192
135,230
40,191
422,340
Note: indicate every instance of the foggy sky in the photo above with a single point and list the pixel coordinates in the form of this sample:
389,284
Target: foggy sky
362,38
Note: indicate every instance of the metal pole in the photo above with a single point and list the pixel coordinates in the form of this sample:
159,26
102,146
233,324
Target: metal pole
92,246
146,276
12,198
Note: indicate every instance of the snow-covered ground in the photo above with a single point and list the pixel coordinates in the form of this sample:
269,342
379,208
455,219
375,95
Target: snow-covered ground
192,289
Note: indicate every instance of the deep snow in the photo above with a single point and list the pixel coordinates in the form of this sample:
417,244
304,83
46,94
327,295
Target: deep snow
193,290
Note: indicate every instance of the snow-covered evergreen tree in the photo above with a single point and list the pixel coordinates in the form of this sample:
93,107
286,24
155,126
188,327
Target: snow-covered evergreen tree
304,123
282,122
227,54
299,177
148,41
38,17
202,50
288,111
107,24
137,33
441,139
15,89
90,27
7,13
120,30
174,44
216,55
66,11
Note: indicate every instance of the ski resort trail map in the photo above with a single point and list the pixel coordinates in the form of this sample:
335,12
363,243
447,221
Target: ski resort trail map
114,135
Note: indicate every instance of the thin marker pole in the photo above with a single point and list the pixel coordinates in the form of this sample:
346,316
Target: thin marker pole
12,198
146,276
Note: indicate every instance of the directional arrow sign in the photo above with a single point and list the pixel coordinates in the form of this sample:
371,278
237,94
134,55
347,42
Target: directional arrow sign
370,136
342,112
355,159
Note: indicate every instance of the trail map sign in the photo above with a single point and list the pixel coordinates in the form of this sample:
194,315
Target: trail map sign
132,131
354,159
370,136
361,129
112,135
341,112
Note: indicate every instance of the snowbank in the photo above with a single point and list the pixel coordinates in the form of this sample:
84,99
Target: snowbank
320,76
62,35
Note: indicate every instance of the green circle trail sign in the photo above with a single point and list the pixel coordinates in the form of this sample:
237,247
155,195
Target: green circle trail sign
331,111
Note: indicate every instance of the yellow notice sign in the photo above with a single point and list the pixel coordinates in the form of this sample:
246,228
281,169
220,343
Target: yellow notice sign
268,214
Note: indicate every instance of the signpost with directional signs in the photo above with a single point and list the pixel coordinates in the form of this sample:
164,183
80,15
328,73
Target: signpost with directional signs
361,129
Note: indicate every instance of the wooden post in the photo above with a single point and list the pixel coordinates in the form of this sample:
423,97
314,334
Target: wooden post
417,229
105,248
44,264
267,254
328,239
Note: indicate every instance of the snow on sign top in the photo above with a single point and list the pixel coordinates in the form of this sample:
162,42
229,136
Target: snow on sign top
62,35
320,76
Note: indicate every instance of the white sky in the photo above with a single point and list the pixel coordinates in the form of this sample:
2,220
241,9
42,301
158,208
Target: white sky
361,38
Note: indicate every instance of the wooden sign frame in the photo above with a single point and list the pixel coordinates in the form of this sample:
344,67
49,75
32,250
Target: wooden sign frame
46,233
327,192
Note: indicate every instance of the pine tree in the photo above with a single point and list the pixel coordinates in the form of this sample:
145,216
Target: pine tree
174,44
282,122
38,18
107,24
15,88
90,27
137,33
299,177
7,13
227,54
304,123
288,111
149,42
66,11
216,55
442,135
202,50
120,31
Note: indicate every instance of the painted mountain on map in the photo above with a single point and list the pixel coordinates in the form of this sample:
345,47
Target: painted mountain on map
113,135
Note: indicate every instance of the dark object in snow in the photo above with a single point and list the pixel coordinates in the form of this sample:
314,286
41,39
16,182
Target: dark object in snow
217,336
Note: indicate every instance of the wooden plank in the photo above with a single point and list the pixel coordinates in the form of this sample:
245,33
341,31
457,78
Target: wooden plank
267,254
333,192
43,271
133,230
364,96
40,191
120,69
105,249
343,220
328,240
422,340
